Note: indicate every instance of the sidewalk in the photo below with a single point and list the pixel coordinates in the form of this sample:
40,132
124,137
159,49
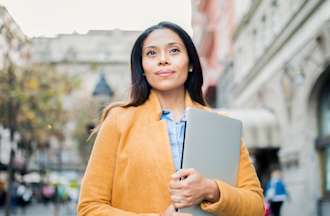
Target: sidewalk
38,209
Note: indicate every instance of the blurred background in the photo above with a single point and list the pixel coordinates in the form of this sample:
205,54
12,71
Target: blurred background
265,62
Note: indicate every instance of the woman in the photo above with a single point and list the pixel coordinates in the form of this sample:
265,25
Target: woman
276,192
133,168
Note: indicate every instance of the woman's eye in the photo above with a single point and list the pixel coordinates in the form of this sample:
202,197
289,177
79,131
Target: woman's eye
174,50
151,53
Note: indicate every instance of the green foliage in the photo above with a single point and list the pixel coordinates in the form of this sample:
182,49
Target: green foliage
85,116
31,101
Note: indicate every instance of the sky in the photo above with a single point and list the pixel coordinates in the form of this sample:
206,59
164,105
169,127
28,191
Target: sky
52,17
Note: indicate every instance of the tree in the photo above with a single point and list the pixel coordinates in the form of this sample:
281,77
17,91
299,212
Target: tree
35,96
86,117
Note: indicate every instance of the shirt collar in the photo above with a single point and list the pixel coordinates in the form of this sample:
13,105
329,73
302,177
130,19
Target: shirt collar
155,108
167,114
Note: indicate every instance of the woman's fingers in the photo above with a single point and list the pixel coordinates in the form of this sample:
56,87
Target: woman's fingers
181,201
182,174
179,185
176,199
181,205
174,185
188,191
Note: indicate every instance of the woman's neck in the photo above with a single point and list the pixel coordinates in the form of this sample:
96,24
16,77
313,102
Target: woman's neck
173,100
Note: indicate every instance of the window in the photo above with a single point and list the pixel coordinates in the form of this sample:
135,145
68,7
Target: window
324,133
238,66
254,41
327,169
263,32
275,17
325,113
211,96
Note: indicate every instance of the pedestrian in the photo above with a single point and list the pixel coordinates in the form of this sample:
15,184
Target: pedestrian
24,196
134,167
13,197
2,193
275,192
47,193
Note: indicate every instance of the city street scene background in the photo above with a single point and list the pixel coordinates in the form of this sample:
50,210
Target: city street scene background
265,62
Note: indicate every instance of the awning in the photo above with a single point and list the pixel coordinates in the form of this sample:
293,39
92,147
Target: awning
260,126
33,177
3,166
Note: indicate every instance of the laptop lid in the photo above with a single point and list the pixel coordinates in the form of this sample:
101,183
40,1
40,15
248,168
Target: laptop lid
212,147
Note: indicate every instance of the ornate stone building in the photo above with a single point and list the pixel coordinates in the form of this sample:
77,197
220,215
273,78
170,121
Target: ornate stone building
282,66
279,85
89,55
100,60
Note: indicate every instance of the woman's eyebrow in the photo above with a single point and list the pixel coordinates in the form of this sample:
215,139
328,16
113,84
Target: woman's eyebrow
168,44
151,47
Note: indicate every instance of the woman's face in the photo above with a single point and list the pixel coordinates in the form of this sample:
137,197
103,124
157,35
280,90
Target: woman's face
165,60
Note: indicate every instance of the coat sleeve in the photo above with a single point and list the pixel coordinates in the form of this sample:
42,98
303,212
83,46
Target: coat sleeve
96,186
246,198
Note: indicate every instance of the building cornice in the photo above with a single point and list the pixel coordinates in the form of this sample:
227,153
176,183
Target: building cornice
299,18
246,18
84,62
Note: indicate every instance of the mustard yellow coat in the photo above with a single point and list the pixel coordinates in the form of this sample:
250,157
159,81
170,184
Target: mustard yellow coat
129,169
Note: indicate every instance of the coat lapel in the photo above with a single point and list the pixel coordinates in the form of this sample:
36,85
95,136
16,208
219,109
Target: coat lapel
154,111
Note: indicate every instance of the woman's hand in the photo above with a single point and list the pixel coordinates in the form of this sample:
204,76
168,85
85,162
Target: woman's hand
192,189
170,211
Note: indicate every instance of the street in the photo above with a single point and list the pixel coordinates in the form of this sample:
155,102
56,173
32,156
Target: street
37,209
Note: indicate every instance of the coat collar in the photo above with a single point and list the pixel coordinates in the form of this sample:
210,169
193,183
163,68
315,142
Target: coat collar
153,105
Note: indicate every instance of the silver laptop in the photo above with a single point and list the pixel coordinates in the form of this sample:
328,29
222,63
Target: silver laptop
212,147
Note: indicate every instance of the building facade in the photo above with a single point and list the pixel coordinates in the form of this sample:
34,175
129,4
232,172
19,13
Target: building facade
99,59
89,55
205,24
213,23
282,66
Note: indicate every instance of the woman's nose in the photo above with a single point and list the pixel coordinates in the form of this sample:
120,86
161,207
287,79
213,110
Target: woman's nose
163,59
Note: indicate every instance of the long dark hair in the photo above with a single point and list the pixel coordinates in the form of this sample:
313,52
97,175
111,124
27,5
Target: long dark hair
140,88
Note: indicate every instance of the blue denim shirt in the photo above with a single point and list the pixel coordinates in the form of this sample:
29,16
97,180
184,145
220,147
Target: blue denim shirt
176,136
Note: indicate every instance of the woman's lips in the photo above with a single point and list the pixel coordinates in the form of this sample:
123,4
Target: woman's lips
165,73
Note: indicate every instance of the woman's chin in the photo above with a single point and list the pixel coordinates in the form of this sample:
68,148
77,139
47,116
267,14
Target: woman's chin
167,88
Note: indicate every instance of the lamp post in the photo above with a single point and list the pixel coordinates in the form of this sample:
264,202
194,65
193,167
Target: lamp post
102,91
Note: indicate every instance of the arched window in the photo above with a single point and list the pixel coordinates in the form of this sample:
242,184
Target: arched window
325,136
